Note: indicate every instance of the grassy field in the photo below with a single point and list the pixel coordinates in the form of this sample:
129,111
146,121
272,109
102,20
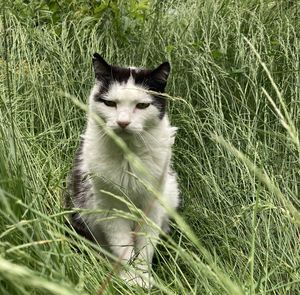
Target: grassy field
235,96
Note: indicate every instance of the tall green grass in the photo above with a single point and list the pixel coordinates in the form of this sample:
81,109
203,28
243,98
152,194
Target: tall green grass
234,96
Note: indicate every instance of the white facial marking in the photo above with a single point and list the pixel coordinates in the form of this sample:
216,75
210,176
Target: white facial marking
125,115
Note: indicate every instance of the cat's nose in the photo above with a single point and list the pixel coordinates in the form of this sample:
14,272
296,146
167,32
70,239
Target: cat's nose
123,124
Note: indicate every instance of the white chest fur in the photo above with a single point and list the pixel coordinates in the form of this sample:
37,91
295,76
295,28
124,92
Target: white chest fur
111,170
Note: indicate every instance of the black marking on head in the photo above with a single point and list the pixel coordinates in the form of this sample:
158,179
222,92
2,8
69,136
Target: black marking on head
106,73
160,75
157,81
101,68
154,80
161,104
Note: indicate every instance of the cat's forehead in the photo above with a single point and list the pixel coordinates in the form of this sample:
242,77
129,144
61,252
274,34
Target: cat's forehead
122,75
128,84
128,91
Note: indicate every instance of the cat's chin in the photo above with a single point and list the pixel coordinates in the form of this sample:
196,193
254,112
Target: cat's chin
126,132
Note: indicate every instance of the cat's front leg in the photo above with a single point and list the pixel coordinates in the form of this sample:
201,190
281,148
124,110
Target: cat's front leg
118,234
140,271
146,239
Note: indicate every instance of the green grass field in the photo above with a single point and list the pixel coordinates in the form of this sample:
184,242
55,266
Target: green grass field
235,96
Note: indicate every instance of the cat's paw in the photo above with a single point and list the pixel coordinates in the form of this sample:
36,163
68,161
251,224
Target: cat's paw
144,280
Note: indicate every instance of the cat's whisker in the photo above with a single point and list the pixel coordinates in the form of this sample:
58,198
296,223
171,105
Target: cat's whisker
144,141
149,134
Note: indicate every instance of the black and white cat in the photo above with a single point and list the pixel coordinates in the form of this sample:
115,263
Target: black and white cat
121,98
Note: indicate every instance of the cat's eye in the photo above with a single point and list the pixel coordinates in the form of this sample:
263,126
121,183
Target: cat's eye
109,103
142,105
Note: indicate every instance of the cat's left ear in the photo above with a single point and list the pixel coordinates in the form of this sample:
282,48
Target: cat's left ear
101,68
161,73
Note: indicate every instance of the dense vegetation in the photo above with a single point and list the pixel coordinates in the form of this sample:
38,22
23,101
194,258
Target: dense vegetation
235,96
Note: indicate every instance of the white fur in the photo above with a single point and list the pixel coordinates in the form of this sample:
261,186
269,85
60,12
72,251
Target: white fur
151,139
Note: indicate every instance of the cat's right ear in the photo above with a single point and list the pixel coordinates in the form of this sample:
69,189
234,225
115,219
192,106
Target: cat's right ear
101,68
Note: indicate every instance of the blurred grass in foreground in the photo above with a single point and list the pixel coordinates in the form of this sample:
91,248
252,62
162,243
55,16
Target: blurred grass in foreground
235,64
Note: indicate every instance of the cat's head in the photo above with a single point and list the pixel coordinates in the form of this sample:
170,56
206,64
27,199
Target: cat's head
123,97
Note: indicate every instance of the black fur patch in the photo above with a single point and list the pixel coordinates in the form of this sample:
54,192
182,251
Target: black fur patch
154,80
77,190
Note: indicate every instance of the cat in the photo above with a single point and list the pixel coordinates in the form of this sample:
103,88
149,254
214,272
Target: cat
128,102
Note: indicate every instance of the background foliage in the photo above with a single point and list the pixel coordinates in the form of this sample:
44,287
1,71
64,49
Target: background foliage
235,97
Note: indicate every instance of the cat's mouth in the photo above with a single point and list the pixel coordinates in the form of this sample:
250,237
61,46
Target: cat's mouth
124,131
